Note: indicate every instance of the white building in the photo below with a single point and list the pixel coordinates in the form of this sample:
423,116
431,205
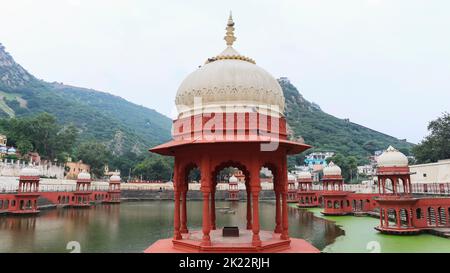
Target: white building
438,172
366,169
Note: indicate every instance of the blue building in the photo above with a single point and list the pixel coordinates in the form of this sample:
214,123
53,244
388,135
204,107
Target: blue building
318,158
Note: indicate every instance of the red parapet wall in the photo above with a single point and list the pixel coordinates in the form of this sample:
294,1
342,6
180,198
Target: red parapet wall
19,203
343,202
407,214
26,202
308,199
70,198
244,124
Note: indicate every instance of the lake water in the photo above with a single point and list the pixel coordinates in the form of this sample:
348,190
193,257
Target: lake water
133,226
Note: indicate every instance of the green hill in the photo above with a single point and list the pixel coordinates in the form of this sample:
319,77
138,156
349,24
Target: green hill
122,125
327,133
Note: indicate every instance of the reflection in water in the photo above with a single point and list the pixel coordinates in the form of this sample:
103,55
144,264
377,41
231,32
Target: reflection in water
318,231
133,226
18,223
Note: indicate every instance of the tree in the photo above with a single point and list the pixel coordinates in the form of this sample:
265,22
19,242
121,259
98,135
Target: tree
96,155
40,134
294,160
24,146
436,145
352,165
371,146
42,131
348,165
154,168
64,143
125,163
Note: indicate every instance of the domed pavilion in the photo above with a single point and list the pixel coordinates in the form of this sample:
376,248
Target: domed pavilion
395,201
307,197
82,193
334,196
233,188
230,114
25,200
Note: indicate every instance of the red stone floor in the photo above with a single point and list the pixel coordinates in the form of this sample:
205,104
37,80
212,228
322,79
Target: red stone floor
271,243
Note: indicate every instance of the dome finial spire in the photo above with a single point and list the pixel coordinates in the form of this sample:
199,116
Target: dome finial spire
229,37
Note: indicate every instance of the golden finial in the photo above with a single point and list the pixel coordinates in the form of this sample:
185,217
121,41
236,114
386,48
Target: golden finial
229,37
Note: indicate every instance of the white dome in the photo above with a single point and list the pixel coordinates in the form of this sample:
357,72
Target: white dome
392,158
233,179
230,82
304,175
115,178
84,175
332,169
291,177
29,172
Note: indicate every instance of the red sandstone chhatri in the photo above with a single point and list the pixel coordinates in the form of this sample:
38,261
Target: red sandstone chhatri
239,123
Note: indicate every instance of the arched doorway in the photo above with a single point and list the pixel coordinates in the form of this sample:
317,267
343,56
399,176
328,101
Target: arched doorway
389,186
222,173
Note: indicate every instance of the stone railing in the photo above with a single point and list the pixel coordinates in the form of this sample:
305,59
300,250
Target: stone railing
192,186
13,167
431,188
11,184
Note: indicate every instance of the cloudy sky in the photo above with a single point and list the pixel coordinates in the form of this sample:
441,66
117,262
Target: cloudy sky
384,64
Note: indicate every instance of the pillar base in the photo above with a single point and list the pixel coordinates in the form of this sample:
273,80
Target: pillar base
256,242
206,240
184,230
270,243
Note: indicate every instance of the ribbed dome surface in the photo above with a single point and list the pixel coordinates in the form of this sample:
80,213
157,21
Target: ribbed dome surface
392,158
233,179
332,169
115,178
84,175
304,175
230,80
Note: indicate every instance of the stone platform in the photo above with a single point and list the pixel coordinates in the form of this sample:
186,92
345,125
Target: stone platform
24,212
335,213
270,243
399,231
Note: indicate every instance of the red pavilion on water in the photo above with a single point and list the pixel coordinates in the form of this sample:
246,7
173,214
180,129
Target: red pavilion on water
230,114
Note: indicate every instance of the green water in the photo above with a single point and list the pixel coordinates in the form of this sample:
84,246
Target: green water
133,226
360,236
